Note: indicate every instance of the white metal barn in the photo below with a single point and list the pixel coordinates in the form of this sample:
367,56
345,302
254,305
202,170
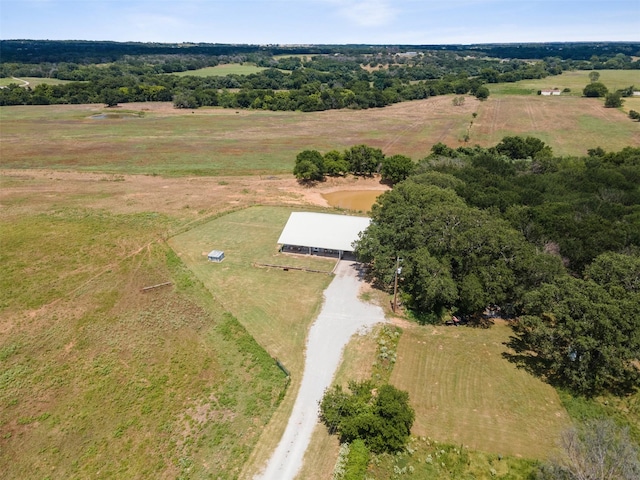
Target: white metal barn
215,256
321,233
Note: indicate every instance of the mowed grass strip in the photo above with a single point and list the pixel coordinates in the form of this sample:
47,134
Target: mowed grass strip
275,306
464,392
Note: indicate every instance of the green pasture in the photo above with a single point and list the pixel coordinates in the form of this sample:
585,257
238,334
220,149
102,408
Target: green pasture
222,70
274,305
32,81
98,379
575,80
465,393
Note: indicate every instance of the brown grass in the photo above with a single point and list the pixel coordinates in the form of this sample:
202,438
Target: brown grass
214,141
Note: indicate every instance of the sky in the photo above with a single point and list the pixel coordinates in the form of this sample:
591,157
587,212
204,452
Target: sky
322,21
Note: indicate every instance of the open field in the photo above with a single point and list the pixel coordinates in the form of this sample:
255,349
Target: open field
222,70
275,306
465,393
98,379
152,138
570,125
32,81
575,80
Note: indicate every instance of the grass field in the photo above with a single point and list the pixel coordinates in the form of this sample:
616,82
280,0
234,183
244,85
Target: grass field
32,81
98,379
465,393
265,300
575,80
213,141
222,70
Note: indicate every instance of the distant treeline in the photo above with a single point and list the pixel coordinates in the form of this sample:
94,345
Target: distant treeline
307,78
78,51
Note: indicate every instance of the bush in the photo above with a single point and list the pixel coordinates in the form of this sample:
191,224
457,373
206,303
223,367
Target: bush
595,90
357,462
381,418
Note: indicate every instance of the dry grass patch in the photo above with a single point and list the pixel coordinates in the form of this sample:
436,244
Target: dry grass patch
570,125
465,393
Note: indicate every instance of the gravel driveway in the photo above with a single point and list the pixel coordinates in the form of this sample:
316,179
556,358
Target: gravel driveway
343,314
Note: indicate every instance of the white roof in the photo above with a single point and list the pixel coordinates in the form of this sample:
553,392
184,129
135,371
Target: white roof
215,254
323,230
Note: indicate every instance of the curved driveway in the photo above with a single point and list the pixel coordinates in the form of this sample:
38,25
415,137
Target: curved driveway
343,314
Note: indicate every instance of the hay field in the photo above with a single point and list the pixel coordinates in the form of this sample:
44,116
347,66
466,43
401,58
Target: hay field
575,80
151,138
222,70
465,393
570,125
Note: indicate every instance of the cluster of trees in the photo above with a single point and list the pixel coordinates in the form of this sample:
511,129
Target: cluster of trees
552,241
611,99
330,77
362,160
379,416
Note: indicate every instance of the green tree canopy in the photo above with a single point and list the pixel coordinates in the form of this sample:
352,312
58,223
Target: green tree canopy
309,166
595,89
381,417
363,160
396,168
582,334
453,255
613,100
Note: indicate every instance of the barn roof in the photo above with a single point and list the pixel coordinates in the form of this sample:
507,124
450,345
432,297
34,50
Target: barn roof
323,230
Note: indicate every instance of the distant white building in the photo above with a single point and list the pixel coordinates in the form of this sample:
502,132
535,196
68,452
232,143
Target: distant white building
555,91
636,93
321,233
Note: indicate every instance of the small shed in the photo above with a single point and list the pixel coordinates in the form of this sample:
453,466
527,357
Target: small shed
216,256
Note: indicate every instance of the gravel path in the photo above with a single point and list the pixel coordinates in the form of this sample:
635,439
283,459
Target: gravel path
343,314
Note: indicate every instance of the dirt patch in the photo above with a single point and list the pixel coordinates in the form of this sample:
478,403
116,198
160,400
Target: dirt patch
185,196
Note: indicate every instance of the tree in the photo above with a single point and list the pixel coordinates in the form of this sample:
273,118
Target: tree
396,168
363,160
335,164
597,450
517,148
380,417
613,100
633,115
309,166
578,335
595,90
594,76
482,93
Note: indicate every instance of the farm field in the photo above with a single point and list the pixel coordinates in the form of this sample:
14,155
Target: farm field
575,80
221,70
97,378
148,138
465,393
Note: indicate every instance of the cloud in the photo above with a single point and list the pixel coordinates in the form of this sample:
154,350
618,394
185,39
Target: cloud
367,13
